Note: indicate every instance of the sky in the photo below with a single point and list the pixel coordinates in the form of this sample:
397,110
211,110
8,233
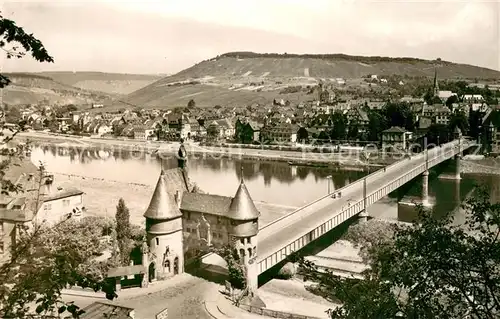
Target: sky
170,35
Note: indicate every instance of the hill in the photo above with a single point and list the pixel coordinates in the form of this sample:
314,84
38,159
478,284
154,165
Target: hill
111,83
27,88
241,78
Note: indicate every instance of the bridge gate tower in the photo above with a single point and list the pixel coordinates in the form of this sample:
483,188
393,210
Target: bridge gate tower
243,231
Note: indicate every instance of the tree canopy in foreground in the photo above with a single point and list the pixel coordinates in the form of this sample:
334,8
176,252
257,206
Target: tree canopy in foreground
431,269
15,42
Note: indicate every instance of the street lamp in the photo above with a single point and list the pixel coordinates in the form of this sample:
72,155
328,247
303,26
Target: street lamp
328,178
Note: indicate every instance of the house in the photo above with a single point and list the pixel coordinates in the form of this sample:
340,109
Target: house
59,205
32,206
445,95
357,116
247,131
63,123
102,310
279,133
17,208
396,138
473,98
142,132
442,114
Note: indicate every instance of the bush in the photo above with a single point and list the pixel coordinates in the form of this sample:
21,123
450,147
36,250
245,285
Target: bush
287,271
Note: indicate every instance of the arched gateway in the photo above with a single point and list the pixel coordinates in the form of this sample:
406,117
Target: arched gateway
183,225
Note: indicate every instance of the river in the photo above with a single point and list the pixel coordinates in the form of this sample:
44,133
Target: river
106,176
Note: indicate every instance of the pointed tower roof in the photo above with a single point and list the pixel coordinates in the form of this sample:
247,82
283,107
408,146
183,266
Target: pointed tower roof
436,84
242,207
162,205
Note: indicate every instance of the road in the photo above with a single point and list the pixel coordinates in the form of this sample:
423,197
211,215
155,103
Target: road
277,235
194,150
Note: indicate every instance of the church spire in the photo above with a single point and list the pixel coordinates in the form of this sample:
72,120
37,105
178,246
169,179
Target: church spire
436,84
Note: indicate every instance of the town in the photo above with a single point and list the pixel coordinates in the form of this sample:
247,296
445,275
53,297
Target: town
334,114
248,185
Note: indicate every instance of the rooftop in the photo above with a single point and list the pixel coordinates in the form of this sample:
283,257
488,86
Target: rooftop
206,203
395,129
101,310
163,204
63,194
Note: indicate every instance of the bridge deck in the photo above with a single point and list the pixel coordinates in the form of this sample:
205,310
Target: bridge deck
292,232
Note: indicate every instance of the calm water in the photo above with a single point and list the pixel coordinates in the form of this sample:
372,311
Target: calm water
271,182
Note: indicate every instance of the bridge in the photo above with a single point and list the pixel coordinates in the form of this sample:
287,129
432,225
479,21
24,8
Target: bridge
292,232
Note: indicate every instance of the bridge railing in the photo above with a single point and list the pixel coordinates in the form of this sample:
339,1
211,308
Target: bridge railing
331,222
369,177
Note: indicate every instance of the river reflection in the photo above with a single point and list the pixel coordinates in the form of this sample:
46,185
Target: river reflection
272,182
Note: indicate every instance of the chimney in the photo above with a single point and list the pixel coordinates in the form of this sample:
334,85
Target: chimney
178,198
48,188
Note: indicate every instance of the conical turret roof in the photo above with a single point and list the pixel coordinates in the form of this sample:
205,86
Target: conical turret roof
162,204
242,207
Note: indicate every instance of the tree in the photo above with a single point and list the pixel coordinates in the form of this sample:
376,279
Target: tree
123,231
376,124
339,126
452,99
459,119
46,260
12,115
12,38
191,104
399,114
431,269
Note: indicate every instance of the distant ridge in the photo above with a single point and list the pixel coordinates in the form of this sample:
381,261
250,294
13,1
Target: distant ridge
333,56
242,78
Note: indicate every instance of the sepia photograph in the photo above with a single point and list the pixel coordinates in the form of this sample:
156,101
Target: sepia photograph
250,159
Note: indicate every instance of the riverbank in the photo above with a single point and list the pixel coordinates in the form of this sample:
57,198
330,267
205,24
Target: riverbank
101,197
481,166
344,161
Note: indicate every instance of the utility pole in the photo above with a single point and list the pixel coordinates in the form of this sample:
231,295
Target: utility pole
328,178
41,169
364,193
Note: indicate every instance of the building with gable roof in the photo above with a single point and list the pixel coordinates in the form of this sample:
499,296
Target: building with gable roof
183,225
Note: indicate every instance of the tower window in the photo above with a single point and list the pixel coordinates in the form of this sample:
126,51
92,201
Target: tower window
248,240
242,240
157,241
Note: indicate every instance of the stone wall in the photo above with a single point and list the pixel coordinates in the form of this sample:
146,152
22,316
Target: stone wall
274,313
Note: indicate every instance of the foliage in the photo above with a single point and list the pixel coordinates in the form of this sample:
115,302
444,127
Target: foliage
191,104
339,126
123,231
369,236
377,123
236,270
438,134
399,114
364,59
13,36
287,271
460,120
45,260
452,99
432,269
12,115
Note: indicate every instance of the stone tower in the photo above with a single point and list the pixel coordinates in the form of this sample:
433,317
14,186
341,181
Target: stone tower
164,232
244,229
